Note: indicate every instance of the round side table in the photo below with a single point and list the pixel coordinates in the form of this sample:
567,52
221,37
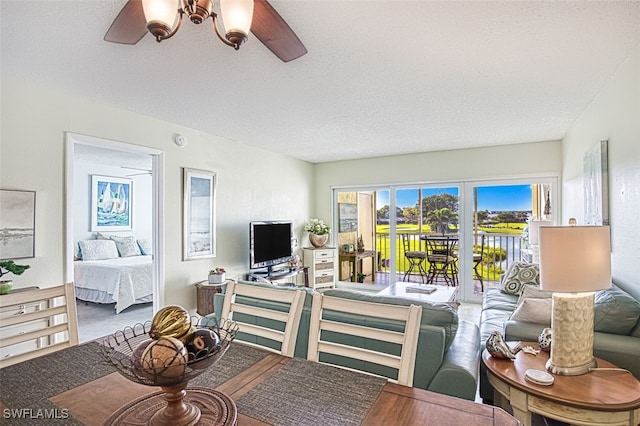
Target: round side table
608,396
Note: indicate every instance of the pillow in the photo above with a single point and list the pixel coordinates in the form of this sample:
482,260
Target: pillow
537,311
616,312
533,292
519,275
127,246
145,246
98,249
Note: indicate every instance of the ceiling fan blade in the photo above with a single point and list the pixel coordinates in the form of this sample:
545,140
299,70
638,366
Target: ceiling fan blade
129,26
269,27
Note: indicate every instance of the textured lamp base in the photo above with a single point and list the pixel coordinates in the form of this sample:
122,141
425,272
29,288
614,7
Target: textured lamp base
573,370
572,334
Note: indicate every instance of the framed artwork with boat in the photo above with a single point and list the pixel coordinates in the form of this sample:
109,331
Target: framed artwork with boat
111,203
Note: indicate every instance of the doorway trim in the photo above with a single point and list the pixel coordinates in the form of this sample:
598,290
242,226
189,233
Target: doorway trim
157,176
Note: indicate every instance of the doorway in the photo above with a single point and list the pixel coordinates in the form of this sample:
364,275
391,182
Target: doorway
87,157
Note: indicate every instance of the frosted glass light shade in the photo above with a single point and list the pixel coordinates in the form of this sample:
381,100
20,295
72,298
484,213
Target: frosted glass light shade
237,15
161,11
534,230
575,258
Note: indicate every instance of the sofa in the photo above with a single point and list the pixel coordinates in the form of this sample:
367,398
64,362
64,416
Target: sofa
448,356
616,323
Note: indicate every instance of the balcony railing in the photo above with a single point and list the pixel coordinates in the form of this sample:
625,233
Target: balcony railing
500,250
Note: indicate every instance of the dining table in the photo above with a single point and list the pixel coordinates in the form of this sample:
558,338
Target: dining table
77,386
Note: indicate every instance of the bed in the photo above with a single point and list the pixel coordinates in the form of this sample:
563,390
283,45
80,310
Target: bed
108,277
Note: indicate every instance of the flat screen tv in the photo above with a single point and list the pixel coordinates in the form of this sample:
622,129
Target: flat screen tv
270,243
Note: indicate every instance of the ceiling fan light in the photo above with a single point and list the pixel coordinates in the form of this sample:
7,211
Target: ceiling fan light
161,16
236,17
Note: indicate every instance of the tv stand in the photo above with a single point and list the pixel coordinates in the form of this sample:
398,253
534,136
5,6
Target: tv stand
279,274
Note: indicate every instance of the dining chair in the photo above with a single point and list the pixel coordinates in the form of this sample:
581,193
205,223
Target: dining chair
264,319
416,258
37,322
325,326
442,258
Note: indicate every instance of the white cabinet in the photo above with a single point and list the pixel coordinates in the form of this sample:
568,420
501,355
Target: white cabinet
323,266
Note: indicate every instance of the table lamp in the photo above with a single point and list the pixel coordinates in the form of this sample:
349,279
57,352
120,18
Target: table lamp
575,262
534,240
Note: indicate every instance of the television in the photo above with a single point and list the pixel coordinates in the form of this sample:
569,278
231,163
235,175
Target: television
270,244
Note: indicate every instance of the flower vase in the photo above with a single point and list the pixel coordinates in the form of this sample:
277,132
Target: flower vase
216,278
318,240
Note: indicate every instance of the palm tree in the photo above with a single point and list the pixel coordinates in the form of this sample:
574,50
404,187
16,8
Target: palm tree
440,219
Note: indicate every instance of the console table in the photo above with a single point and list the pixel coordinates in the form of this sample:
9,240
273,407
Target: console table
355,263
609,396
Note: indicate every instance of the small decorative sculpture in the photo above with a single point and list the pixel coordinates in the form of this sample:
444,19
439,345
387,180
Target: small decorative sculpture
498,348
545,339
360,244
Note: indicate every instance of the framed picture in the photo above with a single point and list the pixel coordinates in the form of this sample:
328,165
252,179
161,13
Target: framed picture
596,185
199,224
111,203
348,220
17,224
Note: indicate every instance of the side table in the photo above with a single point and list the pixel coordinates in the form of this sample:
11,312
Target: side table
610,396
204,296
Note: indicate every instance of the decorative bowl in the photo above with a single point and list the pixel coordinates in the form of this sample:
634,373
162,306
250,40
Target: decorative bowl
118,350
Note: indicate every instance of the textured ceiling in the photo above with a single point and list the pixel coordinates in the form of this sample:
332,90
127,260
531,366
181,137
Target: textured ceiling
381,77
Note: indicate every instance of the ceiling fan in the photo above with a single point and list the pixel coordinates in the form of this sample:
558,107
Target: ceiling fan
267,25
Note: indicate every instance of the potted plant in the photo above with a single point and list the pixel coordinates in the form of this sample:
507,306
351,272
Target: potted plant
318,232
217,276
9,266
361,277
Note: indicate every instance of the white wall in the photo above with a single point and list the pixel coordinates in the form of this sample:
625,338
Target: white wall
614,115
505,161
253,184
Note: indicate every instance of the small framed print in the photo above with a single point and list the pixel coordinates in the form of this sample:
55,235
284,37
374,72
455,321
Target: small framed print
17,224
199,230
111,203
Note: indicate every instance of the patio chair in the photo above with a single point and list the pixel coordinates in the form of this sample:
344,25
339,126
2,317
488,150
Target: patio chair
356,341
477,261
261,321
416,259
442,258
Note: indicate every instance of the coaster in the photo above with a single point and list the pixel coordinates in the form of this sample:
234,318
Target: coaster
539,377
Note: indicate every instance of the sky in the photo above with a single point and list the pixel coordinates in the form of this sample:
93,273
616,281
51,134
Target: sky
492,198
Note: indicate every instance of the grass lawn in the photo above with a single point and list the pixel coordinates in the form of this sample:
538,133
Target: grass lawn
488,271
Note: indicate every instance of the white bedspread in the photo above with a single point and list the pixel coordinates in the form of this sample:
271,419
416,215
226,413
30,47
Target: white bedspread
125,281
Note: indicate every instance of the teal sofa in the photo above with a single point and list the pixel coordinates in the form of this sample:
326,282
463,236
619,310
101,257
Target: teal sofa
448,356
616,332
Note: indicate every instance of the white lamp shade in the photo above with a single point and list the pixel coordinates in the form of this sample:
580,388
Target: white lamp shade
534,230
162,11
575,258
237,15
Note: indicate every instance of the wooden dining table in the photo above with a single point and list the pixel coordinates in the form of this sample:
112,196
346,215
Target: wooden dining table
94,402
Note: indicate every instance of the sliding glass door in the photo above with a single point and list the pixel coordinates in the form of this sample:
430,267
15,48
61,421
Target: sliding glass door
482,223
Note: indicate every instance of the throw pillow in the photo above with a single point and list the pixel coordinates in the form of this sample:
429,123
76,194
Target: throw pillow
98,249
145,246
537,311
533,292
519,275
616,312
127,246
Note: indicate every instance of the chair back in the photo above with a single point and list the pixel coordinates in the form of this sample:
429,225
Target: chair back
263,321
322,328
406,243
36,322
441,246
